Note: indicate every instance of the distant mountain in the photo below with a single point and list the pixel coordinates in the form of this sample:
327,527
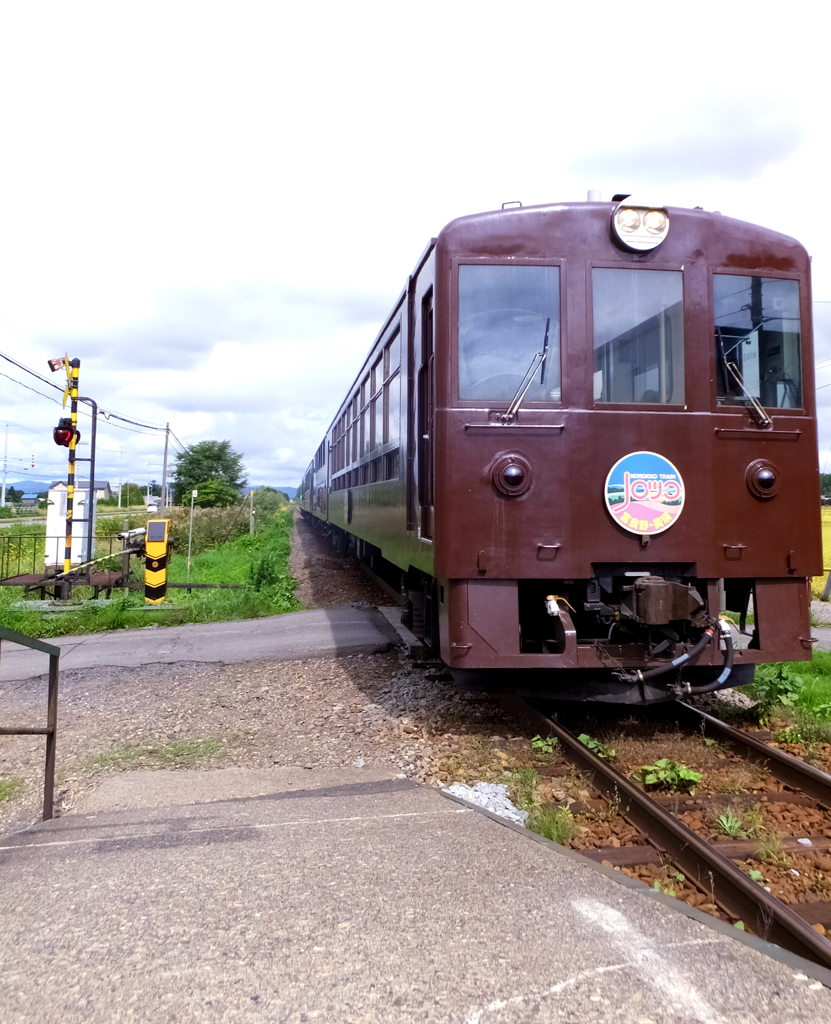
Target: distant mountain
290,491
35,486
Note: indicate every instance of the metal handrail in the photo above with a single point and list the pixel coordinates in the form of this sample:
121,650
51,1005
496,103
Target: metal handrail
50,732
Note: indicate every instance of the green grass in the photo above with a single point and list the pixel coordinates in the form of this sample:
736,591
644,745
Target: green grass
800,690
555,823
183,753
9,788
522,787
258,562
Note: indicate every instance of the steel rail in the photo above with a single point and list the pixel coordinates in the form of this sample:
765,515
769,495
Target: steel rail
739,895
782,766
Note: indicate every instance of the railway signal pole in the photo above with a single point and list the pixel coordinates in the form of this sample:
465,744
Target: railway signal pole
67,434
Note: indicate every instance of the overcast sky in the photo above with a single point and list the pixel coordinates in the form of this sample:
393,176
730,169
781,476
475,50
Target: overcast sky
214,205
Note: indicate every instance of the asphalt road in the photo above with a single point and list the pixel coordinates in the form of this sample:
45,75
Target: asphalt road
290,637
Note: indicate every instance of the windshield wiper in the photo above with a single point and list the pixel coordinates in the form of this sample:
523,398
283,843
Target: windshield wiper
755,408
537,362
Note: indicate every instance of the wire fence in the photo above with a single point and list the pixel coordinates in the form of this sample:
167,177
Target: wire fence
33,554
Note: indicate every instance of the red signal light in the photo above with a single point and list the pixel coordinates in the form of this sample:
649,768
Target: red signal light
63,433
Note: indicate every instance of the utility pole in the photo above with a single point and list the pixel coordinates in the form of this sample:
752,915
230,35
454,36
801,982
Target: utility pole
251,514
5,467
163,502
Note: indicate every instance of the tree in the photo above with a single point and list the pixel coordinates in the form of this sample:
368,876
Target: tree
14,495
207,460
267,501
213,493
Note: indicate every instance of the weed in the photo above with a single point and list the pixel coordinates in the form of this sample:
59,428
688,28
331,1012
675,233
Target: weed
555,823
771,851
757,876
789,735
774,686
608,812
666,886
522,787
597,747
9,788
728,785
544,746
753,822
667,774
730,824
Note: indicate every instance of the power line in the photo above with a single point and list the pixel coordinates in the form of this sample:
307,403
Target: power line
106,413
33,390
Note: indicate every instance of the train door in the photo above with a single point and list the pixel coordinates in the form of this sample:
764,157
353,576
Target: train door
425,404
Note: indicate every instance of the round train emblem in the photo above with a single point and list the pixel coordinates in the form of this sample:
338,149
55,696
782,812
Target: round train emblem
644,492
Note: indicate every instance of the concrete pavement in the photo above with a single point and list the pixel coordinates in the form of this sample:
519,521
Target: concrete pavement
319,633
352,898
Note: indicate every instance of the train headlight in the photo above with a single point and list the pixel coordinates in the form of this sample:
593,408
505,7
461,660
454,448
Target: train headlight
656,222
627,221
639,226
511,475
762,479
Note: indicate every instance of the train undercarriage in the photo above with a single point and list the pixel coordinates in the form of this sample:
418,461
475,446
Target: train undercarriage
627,635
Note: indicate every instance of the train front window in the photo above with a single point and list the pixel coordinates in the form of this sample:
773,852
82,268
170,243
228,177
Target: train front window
638,336
503,316
757,334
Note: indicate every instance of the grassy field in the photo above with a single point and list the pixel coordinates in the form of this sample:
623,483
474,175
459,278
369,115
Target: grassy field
223,553
818,584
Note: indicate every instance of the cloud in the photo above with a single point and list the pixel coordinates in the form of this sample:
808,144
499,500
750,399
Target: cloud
185,325
728,138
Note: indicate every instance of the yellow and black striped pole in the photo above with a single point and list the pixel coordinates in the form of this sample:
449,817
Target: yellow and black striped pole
73,368
156,557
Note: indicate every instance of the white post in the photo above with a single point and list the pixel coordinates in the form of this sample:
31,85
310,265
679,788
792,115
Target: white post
251,514
193,494
164,499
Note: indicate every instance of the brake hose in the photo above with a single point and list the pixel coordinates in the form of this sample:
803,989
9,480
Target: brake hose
706,637
721,681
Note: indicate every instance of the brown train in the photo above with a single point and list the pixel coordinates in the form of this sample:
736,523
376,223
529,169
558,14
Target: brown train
583,430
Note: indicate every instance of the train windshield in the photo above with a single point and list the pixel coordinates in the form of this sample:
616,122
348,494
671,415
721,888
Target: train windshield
503,316
757,341
638,336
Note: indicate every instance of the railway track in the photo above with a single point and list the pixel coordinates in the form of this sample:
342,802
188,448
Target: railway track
708,865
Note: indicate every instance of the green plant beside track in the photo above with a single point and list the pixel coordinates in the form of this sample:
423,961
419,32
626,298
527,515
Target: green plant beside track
795,696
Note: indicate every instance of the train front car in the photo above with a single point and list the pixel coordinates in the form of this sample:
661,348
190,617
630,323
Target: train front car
624,443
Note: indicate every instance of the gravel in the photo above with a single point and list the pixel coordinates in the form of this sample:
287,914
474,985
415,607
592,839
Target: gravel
492,796
378,711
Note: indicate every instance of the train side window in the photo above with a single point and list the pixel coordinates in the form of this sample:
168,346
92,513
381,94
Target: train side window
366,428
392,388
757,336
638,336
505,316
